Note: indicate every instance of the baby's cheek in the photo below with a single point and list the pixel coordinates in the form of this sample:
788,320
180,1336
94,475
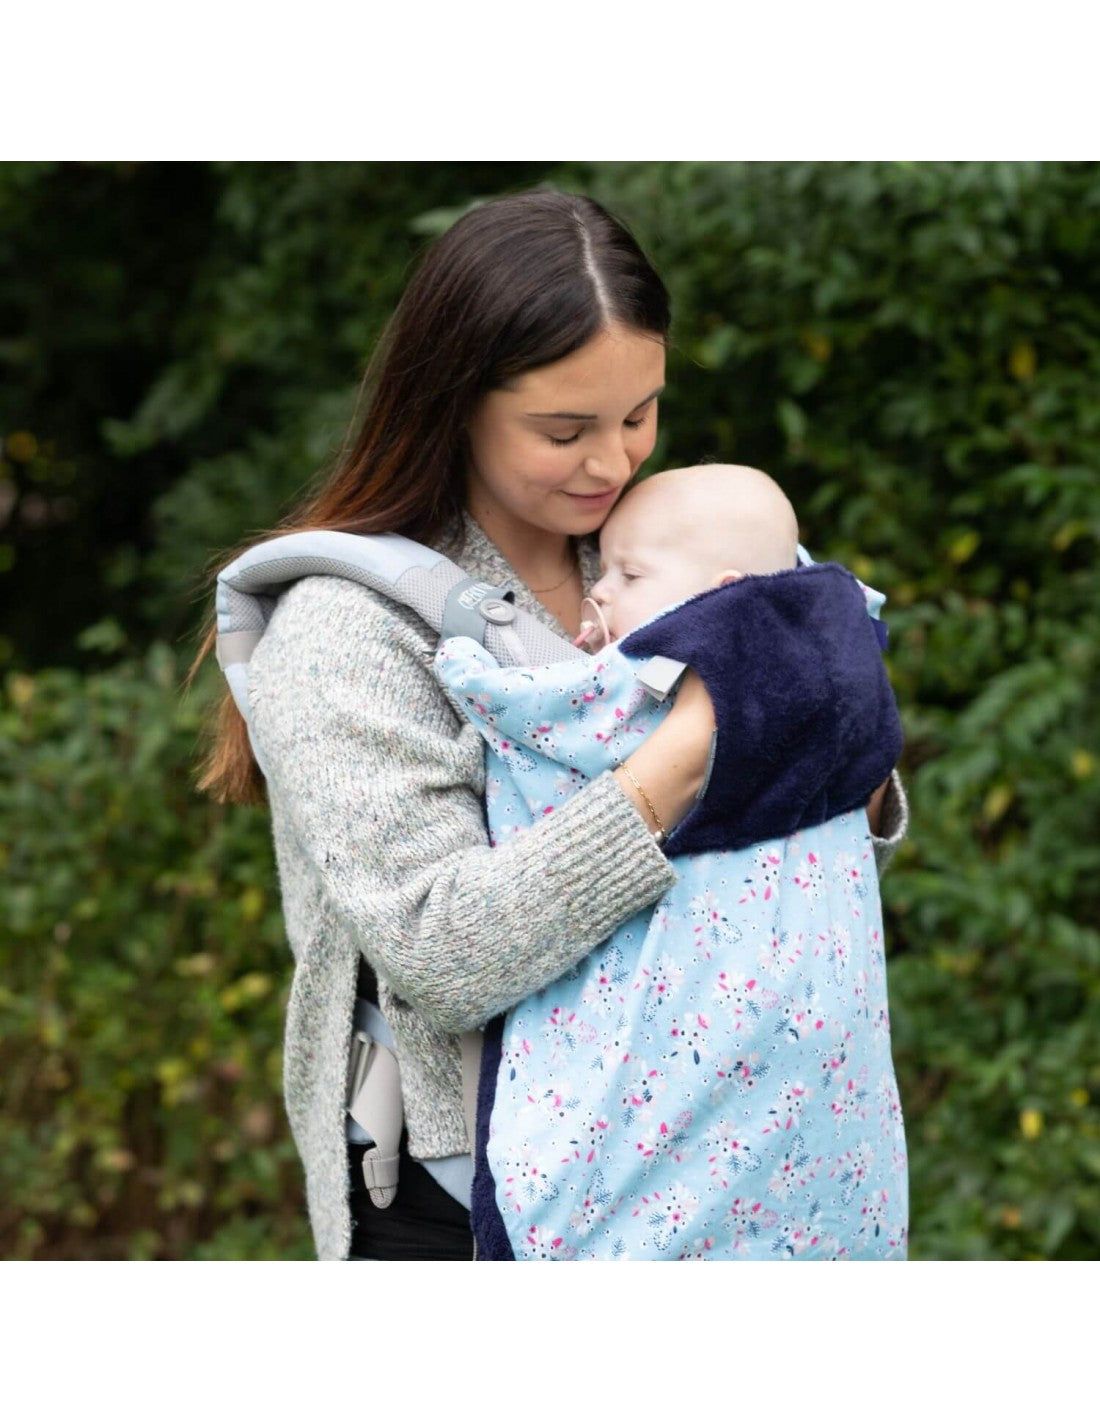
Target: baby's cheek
634,607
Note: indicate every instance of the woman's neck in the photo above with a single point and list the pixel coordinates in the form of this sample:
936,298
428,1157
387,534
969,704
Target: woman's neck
540,558
548,563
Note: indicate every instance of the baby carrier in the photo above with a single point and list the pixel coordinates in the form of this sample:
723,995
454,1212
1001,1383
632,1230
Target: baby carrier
454,604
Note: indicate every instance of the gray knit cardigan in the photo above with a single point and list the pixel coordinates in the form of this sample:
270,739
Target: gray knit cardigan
376,788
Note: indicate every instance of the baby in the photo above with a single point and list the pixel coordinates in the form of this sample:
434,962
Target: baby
715,1080
680,532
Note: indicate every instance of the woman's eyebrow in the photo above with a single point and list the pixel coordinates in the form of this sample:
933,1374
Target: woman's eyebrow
573,415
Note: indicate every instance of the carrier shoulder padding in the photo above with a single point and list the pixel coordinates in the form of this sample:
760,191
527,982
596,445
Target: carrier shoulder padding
439,591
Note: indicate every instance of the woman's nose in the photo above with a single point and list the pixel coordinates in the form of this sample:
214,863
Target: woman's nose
611,464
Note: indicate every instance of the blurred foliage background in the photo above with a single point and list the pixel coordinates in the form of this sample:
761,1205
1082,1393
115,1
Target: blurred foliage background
913,349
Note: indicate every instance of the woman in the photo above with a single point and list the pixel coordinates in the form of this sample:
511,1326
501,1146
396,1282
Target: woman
515,396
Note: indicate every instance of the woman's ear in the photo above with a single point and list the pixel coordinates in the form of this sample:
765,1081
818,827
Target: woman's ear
728,575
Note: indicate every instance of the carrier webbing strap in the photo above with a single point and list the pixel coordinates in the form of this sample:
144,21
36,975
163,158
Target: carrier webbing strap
374,1103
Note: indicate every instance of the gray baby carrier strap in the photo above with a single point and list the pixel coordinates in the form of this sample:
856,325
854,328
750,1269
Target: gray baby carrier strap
439,591
452,603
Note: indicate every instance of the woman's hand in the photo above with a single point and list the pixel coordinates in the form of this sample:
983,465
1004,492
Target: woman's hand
874,807
670,765
693,710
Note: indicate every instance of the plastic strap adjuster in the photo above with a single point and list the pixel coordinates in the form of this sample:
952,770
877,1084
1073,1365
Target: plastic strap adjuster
374,1104
380,1176
463,615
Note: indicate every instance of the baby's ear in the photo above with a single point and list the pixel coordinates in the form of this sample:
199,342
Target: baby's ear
728,575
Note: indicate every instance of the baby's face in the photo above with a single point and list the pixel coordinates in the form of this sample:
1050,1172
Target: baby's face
648,562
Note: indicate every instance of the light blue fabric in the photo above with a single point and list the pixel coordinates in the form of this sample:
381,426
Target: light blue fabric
715,1081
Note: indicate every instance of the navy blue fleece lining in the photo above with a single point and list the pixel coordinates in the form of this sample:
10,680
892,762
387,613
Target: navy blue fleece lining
490,1235
807,723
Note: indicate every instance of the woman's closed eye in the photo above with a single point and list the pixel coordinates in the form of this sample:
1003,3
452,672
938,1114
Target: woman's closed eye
634,423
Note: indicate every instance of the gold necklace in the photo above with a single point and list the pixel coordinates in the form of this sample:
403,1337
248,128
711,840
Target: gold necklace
572,569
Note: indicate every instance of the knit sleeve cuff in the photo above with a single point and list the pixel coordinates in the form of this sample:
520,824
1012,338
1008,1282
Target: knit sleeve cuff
894,824
606,858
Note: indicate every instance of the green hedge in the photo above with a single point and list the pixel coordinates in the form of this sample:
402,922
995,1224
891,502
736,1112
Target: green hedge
145,974
914,350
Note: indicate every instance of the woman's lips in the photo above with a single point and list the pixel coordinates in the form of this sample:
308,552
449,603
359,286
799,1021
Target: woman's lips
594,501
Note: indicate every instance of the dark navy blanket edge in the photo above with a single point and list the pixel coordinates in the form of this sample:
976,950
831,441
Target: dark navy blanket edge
807,722
490,1236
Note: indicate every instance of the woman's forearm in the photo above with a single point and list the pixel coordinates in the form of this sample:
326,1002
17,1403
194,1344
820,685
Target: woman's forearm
664,776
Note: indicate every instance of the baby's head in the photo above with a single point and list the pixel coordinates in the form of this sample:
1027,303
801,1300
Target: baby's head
685,530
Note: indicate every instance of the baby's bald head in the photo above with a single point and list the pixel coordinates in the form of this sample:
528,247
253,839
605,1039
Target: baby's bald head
684,530
731,516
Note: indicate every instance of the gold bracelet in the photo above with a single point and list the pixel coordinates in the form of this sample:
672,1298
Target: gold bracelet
660,836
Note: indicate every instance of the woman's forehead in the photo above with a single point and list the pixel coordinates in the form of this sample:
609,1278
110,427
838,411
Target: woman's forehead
616,366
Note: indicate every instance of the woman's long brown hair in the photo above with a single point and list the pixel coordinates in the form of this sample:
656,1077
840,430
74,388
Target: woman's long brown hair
515,284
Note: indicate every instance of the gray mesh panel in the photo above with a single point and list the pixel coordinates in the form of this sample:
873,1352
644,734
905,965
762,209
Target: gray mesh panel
426,593
540,644
245,613
280,571
425,590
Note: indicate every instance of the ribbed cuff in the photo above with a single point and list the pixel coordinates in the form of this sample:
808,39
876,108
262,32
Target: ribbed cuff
894,823
610,864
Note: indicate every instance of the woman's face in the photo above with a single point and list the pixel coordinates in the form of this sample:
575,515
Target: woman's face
554,450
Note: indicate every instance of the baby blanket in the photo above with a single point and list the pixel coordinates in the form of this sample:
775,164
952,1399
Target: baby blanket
715,1080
